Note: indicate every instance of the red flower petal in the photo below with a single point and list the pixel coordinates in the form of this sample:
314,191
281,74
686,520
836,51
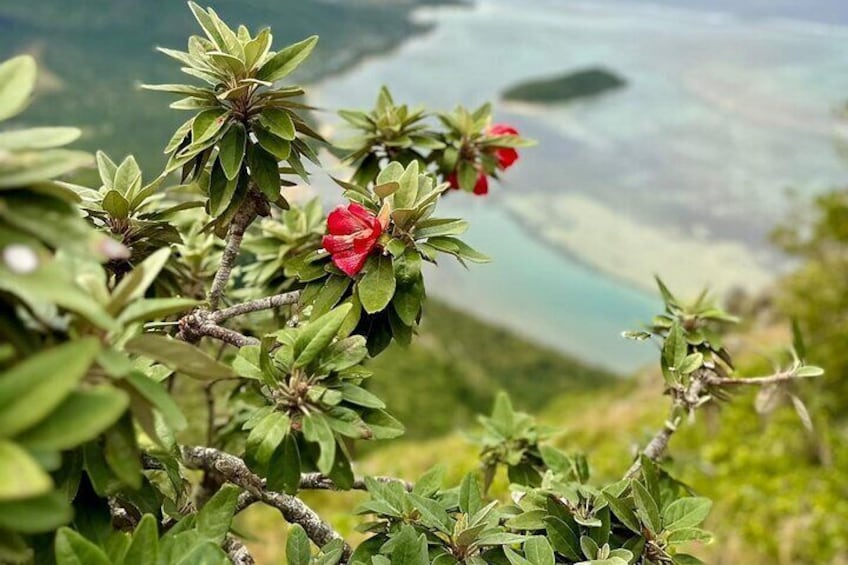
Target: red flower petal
453,181
481,187
354,231
350,262
507,156
502,129
342,222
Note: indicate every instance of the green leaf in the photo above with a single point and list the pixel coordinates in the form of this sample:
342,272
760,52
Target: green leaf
440,226
120,449
377,287
107,169
144,547
391,173
500,538
331,292
20,475
809,371
207,124
208,24
406,194
382,425
316,429
37,138
136,283
563,537
36,515
17,80
538,551
386,189
430,482
127,177
298,550
81,417
33,388
623,512
276,146
157,396
470,500
691,363
73,549
265,438
41,166
409,549
278,122
13,547
318,334
214,519
646,507
514,558
530,520
589,547
431,513
284,469
361,397
222,190
231,150
674,350
687,512
684,535
179,356
287,60
151,309
650,474
343,354
686,559
264,171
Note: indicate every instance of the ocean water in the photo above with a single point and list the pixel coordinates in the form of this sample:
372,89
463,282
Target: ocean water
728,107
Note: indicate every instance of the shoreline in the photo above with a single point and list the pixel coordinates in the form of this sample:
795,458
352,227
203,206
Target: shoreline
754,280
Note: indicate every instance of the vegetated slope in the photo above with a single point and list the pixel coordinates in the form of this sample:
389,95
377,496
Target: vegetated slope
94,54
456,365
778,489
563,88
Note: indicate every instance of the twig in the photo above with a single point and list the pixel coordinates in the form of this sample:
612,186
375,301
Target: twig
266,303
694,395
235,471
235,233
199,324
777,378
317,481
237,552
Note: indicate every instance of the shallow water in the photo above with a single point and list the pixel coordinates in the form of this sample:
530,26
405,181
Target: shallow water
723,113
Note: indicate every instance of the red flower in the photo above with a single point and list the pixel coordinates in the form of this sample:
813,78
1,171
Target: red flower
353,234
481,187
506,156
453,181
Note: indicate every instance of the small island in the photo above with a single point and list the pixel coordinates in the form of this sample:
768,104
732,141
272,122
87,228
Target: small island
563,88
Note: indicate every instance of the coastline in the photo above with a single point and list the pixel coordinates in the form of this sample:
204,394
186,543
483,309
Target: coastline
616,248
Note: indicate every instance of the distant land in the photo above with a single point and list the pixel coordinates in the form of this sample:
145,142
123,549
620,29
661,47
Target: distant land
565,87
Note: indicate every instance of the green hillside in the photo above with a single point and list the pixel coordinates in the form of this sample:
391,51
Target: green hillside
456,365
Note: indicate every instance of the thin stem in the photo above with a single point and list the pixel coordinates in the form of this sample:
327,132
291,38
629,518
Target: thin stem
267,303
225,334
235,233
655,448
694,395
235,471
777,378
